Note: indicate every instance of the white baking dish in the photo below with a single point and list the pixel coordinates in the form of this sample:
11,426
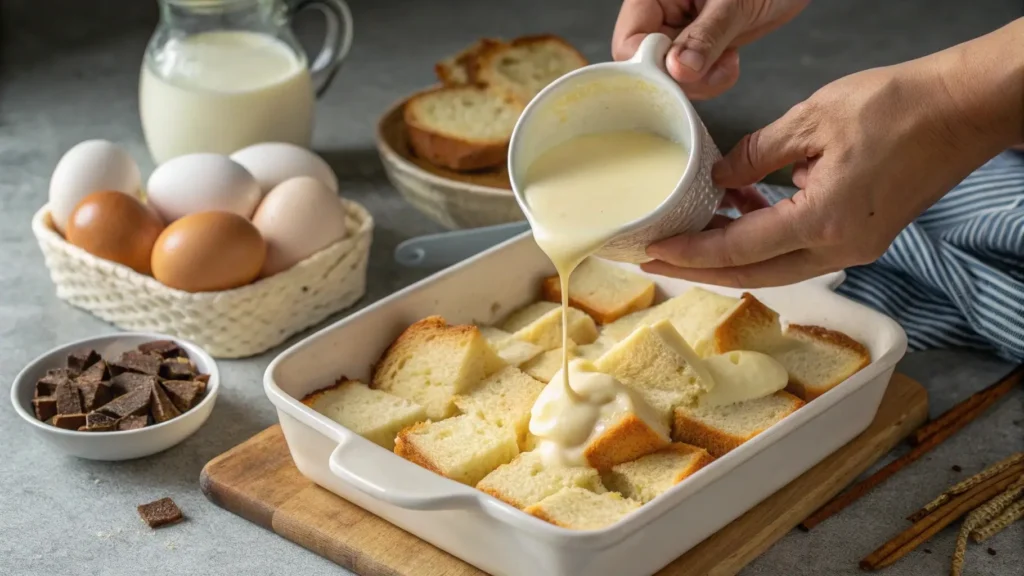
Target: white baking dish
502,540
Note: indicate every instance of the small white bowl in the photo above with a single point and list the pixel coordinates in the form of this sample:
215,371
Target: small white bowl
634,95
127,444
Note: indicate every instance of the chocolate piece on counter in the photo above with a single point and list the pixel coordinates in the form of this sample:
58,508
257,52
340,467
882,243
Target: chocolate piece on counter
132,423
185,394
95,394
174,370
130,382
45,407
161,407
134,403
93,374
68,401
160,513
80,361
162,348
99,422
135,361
47,385
69,421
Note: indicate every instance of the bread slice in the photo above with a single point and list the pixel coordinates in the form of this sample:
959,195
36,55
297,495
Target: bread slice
431,362
513,351
464,448
603,291
694,314
526,480
525,66
461,127
650,476
579,509
719,429
657,363
461,68
540,323
815,358
373,414
543,367
503,399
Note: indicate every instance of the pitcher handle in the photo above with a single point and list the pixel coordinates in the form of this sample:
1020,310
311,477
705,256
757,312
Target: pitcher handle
337,39
653,50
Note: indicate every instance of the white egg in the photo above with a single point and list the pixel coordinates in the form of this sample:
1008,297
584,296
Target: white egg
90,166
200,183
274,162
298,218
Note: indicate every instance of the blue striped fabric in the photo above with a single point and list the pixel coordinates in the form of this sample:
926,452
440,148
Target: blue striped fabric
954,278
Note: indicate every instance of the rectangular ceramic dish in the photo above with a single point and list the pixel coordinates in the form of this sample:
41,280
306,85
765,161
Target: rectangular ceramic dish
504,541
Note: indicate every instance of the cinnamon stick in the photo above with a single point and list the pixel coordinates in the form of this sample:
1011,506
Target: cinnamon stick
980,517
861,488
943,516
988,396
961,487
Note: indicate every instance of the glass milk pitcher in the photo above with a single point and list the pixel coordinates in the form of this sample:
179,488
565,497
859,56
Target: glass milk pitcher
220,75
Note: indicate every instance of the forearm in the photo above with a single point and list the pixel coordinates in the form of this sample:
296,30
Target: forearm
985,81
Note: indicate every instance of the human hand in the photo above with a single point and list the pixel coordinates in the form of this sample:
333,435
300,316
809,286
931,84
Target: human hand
703,60
871,152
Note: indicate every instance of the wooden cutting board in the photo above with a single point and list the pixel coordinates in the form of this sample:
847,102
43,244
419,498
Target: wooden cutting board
258,481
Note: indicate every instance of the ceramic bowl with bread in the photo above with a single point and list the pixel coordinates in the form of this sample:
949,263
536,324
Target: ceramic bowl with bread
445,148
424,419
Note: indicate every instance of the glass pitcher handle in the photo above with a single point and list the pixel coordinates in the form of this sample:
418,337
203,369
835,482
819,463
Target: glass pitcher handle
337,40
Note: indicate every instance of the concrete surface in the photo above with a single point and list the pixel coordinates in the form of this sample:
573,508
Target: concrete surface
69,72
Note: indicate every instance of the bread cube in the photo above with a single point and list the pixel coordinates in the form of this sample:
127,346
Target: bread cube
503,399
431,362
602,290
512,350
649,476
526,480
373,414
694,314
541,323
544,367
464,448
720,429
579,509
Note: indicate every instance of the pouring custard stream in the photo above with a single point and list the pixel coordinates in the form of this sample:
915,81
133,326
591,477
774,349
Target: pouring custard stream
580,193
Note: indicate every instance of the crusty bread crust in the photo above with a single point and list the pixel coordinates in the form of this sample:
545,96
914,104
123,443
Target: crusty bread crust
551,291
627,440
718,443
808,392
485,71
446,150
537,511
701,458
407,449
462,67
750,311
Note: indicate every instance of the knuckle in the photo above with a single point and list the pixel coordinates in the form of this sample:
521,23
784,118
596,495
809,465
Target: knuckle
700,38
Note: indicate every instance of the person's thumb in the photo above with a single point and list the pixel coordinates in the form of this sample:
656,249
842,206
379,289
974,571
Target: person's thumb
789,139
702,42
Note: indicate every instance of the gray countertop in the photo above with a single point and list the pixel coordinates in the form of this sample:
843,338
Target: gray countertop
69,72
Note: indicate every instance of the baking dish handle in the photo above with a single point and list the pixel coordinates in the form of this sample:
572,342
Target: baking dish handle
388,478
829,281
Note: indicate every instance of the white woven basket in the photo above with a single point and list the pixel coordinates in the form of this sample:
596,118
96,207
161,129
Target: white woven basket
228,324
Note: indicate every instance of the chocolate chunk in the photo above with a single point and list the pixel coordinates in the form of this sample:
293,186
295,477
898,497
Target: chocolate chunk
80,361
47,385
183,393
45,407
135,361
95,395
93,374
162,348
99,422
69,421
175,370
132,423
68,401
134,403
160,406
202,379
130,382
160,513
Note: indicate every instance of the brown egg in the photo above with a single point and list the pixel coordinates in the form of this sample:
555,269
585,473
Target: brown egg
208,252
116,227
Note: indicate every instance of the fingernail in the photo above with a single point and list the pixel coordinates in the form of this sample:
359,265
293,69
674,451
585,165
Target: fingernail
691,59
718,76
